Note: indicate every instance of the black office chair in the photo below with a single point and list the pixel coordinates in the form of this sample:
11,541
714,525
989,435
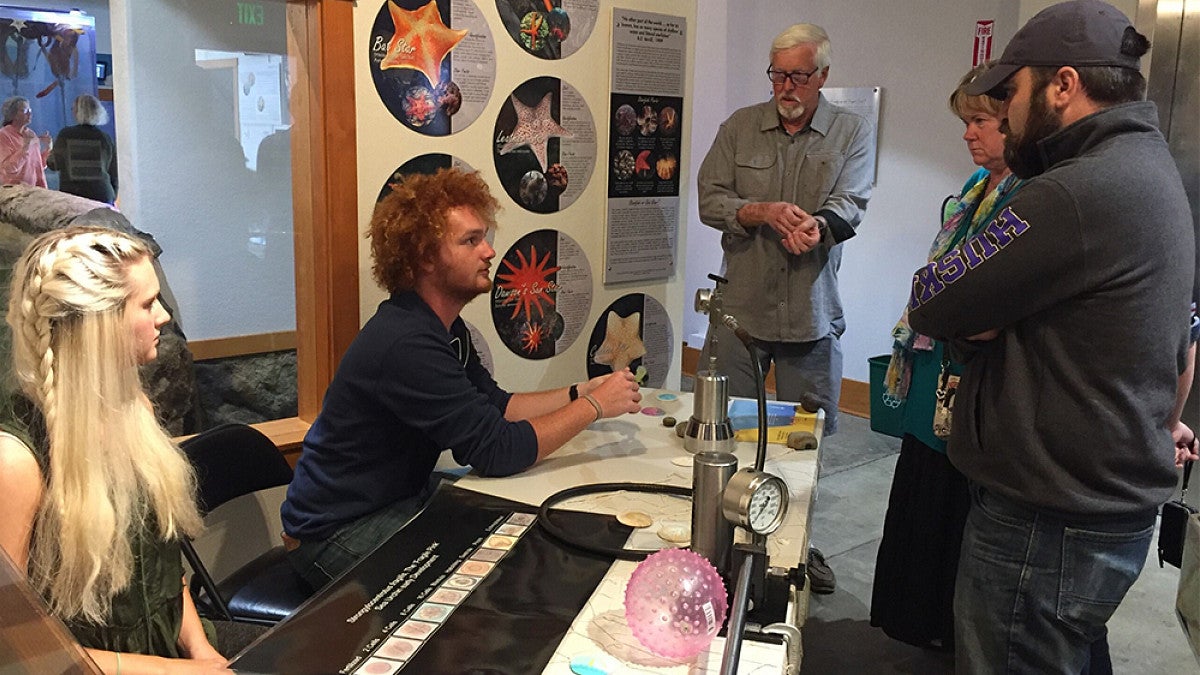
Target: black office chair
233,460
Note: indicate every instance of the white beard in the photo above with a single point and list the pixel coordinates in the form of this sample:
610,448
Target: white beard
790,114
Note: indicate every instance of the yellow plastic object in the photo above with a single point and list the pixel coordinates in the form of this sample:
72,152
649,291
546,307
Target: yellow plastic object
779,434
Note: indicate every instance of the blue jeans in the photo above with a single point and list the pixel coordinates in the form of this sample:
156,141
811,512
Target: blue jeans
322,561
1034,592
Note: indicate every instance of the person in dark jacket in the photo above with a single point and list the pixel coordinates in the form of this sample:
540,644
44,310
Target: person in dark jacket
1070,312
412,385
84,156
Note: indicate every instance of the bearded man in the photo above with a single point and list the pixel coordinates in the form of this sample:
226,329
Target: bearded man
787,181
1071,314
411,385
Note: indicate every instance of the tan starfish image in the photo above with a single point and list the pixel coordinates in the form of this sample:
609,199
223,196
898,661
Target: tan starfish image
534,127
622,341
421,40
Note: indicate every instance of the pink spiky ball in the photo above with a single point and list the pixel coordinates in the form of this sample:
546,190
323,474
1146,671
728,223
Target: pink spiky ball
675,603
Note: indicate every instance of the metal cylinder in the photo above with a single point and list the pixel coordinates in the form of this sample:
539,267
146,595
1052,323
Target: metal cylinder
711,397
709,429
712,534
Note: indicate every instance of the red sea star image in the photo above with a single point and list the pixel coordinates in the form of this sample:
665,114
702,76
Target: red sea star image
643,162
529,284
534,127
421,40
419,106
531,336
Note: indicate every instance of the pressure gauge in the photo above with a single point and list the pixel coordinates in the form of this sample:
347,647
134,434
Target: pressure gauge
755,500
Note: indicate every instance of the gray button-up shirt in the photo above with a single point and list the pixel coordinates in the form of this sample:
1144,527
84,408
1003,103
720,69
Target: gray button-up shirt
825,169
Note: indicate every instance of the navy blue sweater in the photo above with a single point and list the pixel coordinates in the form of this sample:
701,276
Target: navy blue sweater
405,391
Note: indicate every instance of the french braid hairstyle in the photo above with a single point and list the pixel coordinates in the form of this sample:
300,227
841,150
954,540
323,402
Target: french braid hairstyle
112,470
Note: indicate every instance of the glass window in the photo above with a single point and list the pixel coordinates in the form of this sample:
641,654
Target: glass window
202,94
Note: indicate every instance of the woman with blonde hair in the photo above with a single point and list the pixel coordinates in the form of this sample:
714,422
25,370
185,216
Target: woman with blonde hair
913,594
96,496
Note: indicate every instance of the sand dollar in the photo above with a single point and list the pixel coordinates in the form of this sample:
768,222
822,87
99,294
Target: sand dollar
635,519
675,533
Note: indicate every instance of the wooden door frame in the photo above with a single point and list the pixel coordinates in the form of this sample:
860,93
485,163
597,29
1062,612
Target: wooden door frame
320,36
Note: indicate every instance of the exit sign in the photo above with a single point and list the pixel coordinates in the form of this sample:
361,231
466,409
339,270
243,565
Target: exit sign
250,13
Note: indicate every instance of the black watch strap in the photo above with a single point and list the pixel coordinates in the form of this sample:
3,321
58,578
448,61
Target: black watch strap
573,392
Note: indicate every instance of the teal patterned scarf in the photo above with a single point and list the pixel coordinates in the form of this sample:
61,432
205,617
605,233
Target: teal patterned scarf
961,220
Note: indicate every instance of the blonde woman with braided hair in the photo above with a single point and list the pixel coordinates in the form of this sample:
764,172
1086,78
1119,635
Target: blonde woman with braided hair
96,496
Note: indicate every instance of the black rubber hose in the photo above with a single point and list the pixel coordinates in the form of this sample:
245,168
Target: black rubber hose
760,382
594,488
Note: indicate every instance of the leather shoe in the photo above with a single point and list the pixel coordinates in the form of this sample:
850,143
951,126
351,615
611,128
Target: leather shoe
820,577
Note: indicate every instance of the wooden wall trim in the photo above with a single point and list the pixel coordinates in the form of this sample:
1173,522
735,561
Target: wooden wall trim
324,207
325,192
855,399
287,434
241,345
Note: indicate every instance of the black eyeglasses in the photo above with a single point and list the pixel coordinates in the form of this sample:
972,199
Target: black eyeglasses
799,78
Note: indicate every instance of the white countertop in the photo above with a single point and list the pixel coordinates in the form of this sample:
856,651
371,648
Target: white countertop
638,448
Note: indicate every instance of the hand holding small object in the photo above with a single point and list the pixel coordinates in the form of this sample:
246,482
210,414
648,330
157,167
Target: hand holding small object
616,395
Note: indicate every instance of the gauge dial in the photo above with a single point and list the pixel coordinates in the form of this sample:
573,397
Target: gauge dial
766,506
755,500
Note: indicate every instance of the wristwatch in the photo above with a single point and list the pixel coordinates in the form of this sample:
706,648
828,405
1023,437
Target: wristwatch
573,392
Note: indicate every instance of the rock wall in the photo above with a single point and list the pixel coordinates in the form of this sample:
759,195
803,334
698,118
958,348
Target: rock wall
248,389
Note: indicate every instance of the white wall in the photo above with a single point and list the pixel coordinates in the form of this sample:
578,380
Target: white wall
916,51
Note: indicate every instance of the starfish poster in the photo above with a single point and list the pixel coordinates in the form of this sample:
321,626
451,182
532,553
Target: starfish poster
426,164
645,121
545,145
541,294
433,63
633,332
549,29
644,133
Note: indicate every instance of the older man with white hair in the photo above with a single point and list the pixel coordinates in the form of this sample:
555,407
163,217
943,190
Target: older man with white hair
786,182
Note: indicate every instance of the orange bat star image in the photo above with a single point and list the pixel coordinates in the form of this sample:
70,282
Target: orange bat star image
421,40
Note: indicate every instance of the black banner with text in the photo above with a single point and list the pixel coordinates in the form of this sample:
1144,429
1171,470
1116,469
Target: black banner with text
470,585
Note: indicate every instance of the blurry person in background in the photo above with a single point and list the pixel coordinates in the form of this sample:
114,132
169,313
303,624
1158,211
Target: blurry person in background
23,152
84,156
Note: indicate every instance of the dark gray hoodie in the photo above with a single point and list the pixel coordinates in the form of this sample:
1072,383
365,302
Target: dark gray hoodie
1088,273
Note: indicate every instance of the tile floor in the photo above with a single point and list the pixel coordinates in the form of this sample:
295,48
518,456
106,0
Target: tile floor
856,475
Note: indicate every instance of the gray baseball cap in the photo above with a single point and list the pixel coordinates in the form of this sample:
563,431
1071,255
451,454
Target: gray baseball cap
1074,33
